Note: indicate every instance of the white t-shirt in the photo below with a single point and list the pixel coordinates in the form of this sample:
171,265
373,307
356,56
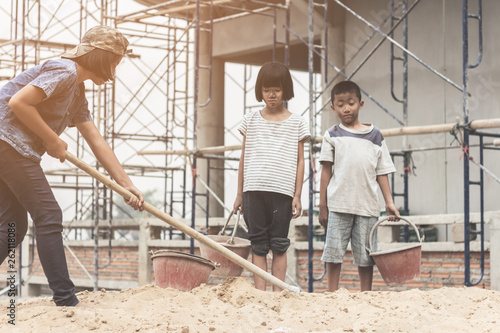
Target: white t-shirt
358,157
271,152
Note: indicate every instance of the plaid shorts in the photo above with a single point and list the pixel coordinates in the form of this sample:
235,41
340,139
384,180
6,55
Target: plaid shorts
343,228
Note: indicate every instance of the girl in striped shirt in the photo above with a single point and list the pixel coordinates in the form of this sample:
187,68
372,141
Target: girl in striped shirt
271,170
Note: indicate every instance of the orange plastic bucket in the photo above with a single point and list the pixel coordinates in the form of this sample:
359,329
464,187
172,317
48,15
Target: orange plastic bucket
398,266
179,270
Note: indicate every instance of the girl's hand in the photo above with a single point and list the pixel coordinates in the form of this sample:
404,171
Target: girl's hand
238,204
137,200
57,149
296,208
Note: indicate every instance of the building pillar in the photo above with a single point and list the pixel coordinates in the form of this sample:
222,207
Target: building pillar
335,46
495,254
210,123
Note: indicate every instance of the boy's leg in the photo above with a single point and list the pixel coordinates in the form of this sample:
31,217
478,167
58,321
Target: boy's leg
365,277
333,275
338,234
359,244
278,268
27,182
261,262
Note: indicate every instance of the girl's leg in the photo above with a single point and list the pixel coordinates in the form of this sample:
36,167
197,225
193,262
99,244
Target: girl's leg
281,207
27,182
261,262
333,275
278,268
256,218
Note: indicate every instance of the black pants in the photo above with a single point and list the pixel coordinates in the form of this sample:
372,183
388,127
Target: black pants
267,215
24,188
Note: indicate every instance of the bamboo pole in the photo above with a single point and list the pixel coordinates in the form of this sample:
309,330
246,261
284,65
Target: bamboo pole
182,227
408,130
217,149
430,129
199,152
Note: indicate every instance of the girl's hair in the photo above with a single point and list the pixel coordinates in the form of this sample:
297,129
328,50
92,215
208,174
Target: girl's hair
346,87
274,74
100,62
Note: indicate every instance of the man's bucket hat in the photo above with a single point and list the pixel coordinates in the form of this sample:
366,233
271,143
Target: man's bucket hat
100,37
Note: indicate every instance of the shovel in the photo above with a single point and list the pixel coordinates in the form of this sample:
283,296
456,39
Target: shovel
182,227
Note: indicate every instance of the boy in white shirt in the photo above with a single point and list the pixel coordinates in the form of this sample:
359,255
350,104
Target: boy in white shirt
355,162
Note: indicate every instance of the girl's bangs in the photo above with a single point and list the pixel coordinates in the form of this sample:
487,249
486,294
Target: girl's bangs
271,79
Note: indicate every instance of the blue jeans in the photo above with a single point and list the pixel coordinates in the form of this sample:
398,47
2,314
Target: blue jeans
24,189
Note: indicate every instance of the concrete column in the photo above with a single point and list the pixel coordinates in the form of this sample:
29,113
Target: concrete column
335,46
210,123
495,254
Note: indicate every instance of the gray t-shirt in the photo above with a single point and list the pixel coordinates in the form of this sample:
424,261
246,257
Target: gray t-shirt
358,157
65,105
271,152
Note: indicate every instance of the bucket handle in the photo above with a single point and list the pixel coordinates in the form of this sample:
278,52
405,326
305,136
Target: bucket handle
385,219
231,240
227,222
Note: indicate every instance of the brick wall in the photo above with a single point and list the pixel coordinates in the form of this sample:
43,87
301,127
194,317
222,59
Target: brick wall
122,266
438,269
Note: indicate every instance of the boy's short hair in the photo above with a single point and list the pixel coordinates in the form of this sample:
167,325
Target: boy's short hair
346,87
101,63
274,74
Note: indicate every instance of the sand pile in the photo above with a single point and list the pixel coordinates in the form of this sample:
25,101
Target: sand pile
235,306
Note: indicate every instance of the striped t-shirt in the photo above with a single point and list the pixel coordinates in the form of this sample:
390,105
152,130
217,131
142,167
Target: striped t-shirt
358,157
271,152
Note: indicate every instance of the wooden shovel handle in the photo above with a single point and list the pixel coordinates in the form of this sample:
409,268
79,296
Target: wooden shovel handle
181,226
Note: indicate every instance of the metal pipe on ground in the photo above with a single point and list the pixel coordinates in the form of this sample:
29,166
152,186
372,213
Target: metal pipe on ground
182,227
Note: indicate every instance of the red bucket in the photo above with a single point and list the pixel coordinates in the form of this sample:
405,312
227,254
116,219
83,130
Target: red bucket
398,266
227,268
179,270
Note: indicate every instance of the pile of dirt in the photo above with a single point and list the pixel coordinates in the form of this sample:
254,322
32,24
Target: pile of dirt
236,306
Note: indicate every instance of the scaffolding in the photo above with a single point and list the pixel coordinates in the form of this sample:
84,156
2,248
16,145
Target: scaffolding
152,105
158,112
